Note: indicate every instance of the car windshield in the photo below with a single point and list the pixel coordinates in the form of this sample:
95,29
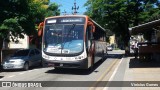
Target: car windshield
63,38
21,53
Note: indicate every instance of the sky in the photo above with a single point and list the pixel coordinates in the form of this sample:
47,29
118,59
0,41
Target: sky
68,4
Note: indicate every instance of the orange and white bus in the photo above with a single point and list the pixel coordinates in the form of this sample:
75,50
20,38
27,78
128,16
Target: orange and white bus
73,41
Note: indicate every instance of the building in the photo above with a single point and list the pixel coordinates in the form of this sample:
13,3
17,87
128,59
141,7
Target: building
112,40
149,48
22,43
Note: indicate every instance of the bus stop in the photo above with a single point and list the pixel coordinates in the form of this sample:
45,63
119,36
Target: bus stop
149,45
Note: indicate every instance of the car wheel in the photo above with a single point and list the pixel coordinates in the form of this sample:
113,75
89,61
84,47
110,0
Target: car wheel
42,64
26,66
59,68
56,68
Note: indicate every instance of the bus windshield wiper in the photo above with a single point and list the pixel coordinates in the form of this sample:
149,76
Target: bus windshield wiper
54,29
68,35
47,38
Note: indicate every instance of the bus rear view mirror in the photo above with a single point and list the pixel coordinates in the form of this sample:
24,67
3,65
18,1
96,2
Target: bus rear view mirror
40,29
93,28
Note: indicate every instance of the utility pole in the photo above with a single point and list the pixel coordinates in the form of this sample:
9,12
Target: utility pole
75,8
64,13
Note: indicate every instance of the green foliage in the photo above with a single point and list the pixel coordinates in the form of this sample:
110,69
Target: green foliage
53,10
119,15
12,28
18,17
13,12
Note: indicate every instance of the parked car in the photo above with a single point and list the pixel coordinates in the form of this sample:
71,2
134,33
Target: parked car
109,48
23,59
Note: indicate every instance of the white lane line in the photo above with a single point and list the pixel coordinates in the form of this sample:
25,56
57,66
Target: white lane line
36,69
30,70
21,73
11,76
1,79
113,74
111,78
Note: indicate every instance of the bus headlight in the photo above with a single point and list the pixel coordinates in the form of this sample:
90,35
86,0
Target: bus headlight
79,58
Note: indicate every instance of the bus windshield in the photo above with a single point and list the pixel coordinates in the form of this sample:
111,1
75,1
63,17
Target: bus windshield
63,38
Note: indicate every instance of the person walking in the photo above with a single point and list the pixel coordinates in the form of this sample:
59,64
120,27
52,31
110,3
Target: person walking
136,49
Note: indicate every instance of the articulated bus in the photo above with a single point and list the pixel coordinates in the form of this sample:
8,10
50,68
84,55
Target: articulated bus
73,41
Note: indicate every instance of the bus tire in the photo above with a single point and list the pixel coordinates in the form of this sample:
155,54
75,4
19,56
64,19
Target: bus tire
92,63
103,55
57,68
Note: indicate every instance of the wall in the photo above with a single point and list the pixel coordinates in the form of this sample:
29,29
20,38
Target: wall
112,39
23,43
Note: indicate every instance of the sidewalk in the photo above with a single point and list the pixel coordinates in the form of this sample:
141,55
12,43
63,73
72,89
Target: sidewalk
131,69
142,71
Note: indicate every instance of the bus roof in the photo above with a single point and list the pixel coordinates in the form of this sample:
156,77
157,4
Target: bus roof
97,24
77,16
67,16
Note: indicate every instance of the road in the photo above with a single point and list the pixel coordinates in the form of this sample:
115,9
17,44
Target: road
102,71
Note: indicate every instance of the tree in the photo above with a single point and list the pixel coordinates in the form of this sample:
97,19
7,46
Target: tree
19,17
8,29
52,10
121,14
43,8
12,17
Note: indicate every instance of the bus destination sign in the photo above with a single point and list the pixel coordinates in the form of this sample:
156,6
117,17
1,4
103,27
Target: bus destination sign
62,20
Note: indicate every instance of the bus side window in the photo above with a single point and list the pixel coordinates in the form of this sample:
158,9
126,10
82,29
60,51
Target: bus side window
89,32
88,37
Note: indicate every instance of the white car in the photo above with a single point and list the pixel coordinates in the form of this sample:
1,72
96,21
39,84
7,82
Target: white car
109,48
23,59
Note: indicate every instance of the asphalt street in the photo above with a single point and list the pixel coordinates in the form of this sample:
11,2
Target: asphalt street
80,79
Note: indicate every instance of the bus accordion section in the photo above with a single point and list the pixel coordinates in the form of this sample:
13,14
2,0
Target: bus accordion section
73,41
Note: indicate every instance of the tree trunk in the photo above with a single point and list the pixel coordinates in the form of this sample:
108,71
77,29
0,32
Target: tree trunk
126,42
126,36
1,45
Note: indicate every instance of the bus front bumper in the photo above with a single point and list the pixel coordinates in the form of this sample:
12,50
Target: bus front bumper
79,64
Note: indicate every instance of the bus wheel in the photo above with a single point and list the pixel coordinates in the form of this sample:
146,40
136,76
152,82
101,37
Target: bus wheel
57,68
103,55
92,63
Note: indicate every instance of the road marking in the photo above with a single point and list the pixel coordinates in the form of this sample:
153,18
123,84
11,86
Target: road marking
21,73
108,69
17,74
11,76
113,74
30,70
103,75
36,69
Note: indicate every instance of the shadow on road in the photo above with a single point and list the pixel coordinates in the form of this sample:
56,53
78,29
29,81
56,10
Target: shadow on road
136,63
115,56
84,72
1,77
76,71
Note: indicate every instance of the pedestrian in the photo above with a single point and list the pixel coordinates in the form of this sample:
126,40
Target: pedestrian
136,49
